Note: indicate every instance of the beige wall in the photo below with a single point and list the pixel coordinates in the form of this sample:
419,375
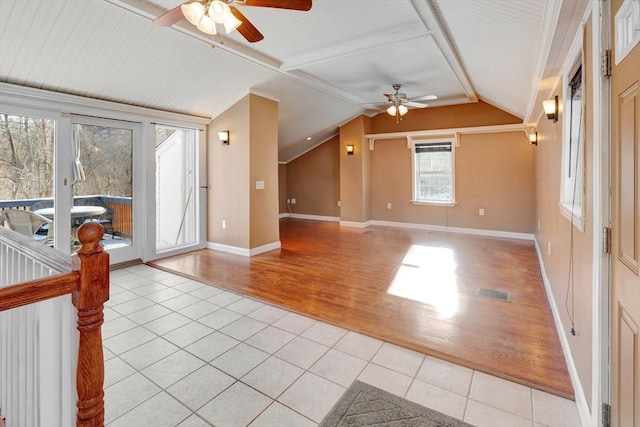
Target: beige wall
282,188
354,170
314,180
228,177
251,215
492,171
453,116
264,219
555,233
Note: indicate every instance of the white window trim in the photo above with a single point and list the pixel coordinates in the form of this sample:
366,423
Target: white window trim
627,30
575,217
453,143
573,213
16,99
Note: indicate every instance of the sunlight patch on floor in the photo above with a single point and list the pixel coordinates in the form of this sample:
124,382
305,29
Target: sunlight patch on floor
427,275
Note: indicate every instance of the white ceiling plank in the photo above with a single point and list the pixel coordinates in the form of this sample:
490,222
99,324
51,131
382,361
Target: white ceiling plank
13,18
501,57
324,66
425,10
358,45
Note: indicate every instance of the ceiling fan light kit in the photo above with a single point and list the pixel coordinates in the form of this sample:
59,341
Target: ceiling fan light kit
398,103
193,12
400,109
207,26
206,14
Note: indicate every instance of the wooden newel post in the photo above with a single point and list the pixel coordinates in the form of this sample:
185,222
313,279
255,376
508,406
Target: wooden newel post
93,292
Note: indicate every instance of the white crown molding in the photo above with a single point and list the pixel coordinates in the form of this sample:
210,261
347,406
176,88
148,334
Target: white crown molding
549,24
452,132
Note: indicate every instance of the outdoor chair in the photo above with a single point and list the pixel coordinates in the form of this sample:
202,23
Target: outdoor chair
29,224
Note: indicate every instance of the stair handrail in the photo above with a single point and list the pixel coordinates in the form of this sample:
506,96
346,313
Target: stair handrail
54,260
89,285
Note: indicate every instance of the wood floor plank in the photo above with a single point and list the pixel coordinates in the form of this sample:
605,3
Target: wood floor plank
413,288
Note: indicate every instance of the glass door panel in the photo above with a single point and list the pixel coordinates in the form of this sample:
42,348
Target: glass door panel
176,188
103,187
27,175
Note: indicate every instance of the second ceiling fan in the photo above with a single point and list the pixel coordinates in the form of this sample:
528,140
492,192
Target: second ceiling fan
206,14
398,104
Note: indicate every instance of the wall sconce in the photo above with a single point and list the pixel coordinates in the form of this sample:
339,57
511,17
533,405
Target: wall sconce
350,150
224,137
533,138
551,108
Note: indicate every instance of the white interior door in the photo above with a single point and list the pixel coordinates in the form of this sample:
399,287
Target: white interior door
625,263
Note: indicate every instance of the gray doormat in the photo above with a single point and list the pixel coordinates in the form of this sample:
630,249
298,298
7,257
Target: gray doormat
365,405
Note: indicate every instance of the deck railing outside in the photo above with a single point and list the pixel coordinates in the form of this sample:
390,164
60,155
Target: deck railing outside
121,206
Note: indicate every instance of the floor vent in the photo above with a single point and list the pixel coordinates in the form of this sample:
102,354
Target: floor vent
492,293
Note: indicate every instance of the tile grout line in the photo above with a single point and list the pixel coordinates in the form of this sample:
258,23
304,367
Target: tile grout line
246,315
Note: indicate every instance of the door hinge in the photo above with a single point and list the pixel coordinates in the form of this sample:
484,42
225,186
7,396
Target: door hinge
606,415
606,240
605,65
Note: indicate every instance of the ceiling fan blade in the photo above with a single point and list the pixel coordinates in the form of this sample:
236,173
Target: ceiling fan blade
415,104
247,29
281,4
424,98
169,18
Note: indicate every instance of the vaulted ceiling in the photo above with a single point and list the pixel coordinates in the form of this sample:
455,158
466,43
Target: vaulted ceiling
324,66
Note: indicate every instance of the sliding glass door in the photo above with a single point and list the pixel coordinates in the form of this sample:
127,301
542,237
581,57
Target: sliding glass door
143,182
178,193
105,183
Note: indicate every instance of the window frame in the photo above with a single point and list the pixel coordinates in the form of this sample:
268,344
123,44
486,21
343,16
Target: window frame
415,172
573,209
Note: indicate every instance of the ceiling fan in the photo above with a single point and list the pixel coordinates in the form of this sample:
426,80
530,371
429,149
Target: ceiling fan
398,104
205,14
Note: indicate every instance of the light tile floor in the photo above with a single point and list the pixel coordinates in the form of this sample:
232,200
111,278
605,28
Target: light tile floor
182,353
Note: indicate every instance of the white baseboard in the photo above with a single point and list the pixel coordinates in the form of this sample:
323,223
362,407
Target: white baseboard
581,399
243,251
314,217
355,224
228,249
265,248
476,231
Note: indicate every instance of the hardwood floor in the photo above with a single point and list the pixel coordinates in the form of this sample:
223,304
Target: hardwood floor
413,288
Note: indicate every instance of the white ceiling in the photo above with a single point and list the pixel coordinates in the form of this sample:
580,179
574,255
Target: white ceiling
324,66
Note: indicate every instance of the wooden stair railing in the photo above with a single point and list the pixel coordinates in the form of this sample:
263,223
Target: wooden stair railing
89,287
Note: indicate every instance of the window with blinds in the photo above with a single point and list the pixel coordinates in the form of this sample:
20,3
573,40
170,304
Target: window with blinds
433,172
572,182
